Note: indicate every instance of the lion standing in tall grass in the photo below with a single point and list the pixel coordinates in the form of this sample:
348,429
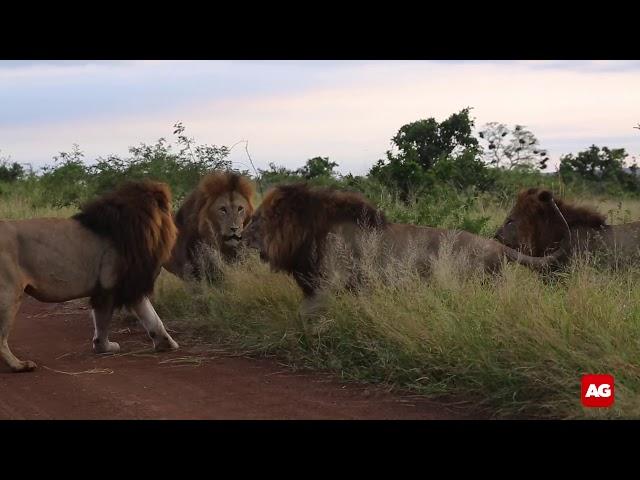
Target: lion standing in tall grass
211,221
294,225
112,252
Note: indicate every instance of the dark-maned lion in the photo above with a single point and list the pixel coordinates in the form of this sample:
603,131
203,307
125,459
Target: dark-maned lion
292,225
532,227
111,252
213,215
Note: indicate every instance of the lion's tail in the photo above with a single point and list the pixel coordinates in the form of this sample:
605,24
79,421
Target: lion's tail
137,218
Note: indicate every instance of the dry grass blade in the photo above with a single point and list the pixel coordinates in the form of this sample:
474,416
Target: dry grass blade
185,361
145,352
93,371
64,355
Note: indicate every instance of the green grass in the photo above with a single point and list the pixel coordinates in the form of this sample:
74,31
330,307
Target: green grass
513,345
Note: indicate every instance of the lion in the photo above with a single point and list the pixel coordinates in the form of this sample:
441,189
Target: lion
292,226
532,227
111,251
212,216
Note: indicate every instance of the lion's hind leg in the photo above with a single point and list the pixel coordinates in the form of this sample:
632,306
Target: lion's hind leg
10,300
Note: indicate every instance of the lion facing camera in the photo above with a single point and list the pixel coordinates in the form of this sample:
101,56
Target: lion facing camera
211,220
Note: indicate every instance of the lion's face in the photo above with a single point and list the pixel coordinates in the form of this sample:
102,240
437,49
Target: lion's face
229,212
520,229
507,234
526,222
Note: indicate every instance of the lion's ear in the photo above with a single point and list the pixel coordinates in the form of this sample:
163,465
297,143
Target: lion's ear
162,199
545,196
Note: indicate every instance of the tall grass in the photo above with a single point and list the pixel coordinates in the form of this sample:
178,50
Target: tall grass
16,207
514,344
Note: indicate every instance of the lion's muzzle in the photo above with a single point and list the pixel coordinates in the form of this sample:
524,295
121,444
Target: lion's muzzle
232,240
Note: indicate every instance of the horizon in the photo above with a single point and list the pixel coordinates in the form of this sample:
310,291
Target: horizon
290,111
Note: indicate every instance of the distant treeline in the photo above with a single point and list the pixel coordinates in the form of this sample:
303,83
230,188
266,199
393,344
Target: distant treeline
428,159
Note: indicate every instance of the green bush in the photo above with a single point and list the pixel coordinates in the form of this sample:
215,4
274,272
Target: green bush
602,169
70,181
430,152
10,172
437,174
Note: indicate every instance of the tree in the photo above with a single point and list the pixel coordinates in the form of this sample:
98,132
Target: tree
275,175
317,167
206,157
421,145
602,165
595,163
427,141
511,149
182,169
463,171
10,171
66,181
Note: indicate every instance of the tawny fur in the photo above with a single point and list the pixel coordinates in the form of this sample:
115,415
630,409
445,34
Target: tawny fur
111,252
292,225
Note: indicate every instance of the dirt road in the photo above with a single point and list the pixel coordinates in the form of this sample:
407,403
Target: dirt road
192,383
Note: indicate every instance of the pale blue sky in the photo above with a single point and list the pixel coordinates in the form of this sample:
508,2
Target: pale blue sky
290,111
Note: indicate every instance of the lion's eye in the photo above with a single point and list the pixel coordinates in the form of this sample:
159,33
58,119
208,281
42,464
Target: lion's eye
240,208
223,210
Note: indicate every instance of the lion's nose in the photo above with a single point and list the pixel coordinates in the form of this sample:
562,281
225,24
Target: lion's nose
235,229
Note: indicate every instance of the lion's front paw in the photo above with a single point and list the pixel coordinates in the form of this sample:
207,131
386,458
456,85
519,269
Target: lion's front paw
164,344
108,347
24,366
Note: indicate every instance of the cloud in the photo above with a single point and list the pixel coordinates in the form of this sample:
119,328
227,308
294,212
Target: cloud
21,64
292,111
588,66
42,93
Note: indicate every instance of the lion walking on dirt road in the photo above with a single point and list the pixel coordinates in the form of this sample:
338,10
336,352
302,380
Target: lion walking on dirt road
112,252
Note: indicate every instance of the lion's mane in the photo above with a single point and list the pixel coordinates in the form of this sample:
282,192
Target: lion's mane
137,218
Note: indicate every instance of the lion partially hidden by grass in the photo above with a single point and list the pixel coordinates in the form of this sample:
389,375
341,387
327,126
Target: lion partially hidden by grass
111,252
295,225
210,224
533,227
